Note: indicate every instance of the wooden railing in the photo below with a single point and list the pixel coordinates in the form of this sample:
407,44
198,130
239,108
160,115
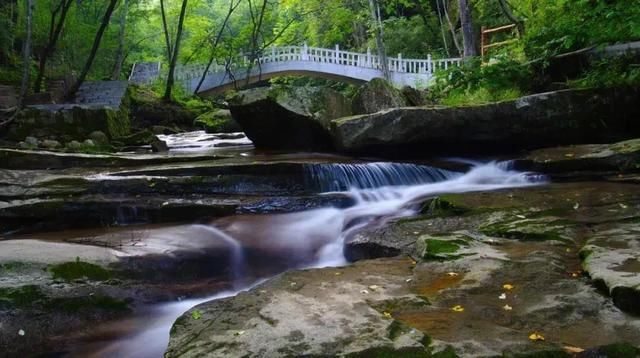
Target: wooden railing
485,38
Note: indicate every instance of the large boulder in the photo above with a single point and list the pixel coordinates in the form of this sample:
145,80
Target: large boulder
289,117
376,95
69,122
562,117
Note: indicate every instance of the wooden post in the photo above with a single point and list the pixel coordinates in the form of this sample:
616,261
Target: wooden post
483,41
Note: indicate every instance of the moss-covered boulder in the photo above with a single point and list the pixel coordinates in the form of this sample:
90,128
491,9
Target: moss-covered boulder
148,109
376,95
66,123
287,117
217,121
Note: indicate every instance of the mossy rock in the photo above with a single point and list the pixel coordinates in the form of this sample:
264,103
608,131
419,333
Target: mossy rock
533,228
87,303
217,121
70,271
376,95
442,247
20,297
143,137
442,207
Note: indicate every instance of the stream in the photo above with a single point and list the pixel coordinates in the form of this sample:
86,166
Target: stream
381,192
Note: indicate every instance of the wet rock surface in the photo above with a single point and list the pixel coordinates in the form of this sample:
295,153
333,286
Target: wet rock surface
289,117
546,119
511,272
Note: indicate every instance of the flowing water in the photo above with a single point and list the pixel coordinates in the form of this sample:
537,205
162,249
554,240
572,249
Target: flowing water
315,238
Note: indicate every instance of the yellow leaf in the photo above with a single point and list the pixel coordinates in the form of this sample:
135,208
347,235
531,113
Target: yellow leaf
572,349
387,314
338,273
452,274
457,308
569,155
536,337
507,286
507,308
503,296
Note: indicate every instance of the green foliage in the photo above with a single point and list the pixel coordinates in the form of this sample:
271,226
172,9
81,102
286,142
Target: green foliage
474,83
610,72
70,271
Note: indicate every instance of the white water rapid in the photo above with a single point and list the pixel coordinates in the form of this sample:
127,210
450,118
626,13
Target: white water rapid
381,192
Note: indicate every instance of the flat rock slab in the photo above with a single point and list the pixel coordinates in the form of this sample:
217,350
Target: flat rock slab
324,312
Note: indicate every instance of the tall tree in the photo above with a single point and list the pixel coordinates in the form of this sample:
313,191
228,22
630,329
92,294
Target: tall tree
26,54
176,51
117,66
468,37
506,10
165,29
55,29
451,27
94,49
233,4
382,53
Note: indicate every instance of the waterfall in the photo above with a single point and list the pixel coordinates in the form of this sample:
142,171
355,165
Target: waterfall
236,257
340,177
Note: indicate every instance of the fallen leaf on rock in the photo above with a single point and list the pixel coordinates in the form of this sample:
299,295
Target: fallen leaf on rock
503,296
374,287
521,216
576,206
507,286
408,280
536,337
338,273
572,349
452,274
457,308
623,206
569,155
21,332
507,308
196,315
364,291
239,333
387,314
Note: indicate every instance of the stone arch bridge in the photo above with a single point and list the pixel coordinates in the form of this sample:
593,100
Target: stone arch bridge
335,64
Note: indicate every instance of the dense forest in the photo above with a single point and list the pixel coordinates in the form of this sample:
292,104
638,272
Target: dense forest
102,39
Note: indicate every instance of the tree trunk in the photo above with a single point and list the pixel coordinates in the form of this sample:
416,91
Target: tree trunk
94,50
26,55
382,54
467,29
451,27
165,28
176,50
214,45
117,67
444,35
54,35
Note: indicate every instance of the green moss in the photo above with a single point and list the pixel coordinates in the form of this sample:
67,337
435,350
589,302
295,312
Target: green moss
13,266
619,350
217,121
20,297
70,271
75,304
441,207
523,233
448,352
436,249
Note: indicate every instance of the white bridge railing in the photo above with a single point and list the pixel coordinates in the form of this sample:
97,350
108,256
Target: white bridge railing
284,54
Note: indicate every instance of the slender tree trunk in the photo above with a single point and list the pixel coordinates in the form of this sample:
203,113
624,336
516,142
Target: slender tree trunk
382,54
232,8
54,35
26,55
176,50
467,29
165,28
94,49
451,27
444,34
117,67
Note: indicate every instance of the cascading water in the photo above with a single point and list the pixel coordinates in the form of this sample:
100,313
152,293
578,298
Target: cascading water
340,177
381,192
